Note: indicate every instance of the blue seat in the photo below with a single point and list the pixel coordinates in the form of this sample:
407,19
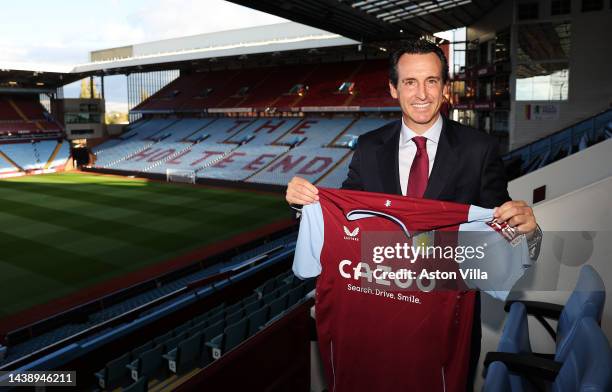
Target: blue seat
515,335
232,336
587,300
147,364
257,319
186,355
498,379
588,364
586,367
231,318
278,305
142,385
114,373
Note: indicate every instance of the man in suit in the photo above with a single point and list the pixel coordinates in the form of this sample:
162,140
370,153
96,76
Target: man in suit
427,155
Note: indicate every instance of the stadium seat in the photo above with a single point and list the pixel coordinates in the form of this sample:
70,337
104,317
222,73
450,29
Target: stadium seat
147,364
250,299
587,300
234,317
141,349
185,356
278,306
163,338
265,288
294,296
214,329
515,339
182,328
142,385
251,307
498,379
170,344
232,336
216,317
233,308
268,298
586,367
258,319
114,373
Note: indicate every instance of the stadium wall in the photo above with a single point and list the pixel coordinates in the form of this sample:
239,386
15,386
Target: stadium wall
589,62
200,181
568,174
590,79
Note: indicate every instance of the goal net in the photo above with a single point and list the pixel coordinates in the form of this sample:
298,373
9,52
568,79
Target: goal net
178,175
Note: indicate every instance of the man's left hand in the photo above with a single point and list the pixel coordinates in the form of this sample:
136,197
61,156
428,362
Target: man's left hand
518,215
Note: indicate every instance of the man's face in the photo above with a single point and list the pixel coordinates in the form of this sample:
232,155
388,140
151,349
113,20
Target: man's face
420,90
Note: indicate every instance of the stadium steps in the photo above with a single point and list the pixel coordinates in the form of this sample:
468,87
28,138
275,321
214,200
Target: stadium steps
174,155
53,155
9,160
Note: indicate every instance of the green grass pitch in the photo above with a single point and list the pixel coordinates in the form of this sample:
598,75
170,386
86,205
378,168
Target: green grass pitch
60,233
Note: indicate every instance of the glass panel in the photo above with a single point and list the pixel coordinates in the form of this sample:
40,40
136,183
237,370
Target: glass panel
542,82
528,10
592,5
502,46
543,41
559,7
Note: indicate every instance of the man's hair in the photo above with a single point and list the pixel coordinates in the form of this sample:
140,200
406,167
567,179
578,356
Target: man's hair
417,46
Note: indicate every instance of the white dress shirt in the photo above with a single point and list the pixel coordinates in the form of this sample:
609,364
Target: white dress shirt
408,149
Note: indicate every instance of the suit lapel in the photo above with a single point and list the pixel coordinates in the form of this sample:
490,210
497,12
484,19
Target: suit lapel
387,157
445,161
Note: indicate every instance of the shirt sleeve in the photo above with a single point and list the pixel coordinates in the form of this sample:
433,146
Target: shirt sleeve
503,261
307,259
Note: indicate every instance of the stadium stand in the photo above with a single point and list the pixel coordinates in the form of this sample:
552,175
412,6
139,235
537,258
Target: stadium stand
353,83
150,299
310,163
208,336
6,166
255,150
559,145
36,154
335,177
24,115
242,162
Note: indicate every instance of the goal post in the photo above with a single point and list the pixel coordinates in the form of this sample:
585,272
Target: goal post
179,175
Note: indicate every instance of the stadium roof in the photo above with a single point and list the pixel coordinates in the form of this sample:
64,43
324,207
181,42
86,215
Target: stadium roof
377,20
279,37
35,77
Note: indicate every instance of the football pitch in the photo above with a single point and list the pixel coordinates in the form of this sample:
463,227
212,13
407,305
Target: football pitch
60,233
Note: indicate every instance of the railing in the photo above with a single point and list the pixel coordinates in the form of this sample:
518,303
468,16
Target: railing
558,145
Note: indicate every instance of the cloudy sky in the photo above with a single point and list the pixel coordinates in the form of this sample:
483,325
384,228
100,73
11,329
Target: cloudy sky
64,32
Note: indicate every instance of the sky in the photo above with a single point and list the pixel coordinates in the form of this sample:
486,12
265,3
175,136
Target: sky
64,32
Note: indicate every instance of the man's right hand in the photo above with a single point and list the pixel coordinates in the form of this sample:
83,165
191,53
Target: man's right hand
301,192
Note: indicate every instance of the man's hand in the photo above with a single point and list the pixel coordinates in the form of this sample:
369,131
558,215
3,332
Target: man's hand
518,215
300,191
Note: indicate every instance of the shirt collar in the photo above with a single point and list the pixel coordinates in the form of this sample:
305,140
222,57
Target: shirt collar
432,133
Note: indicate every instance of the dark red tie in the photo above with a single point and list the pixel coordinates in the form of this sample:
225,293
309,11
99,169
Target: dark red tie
419,171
